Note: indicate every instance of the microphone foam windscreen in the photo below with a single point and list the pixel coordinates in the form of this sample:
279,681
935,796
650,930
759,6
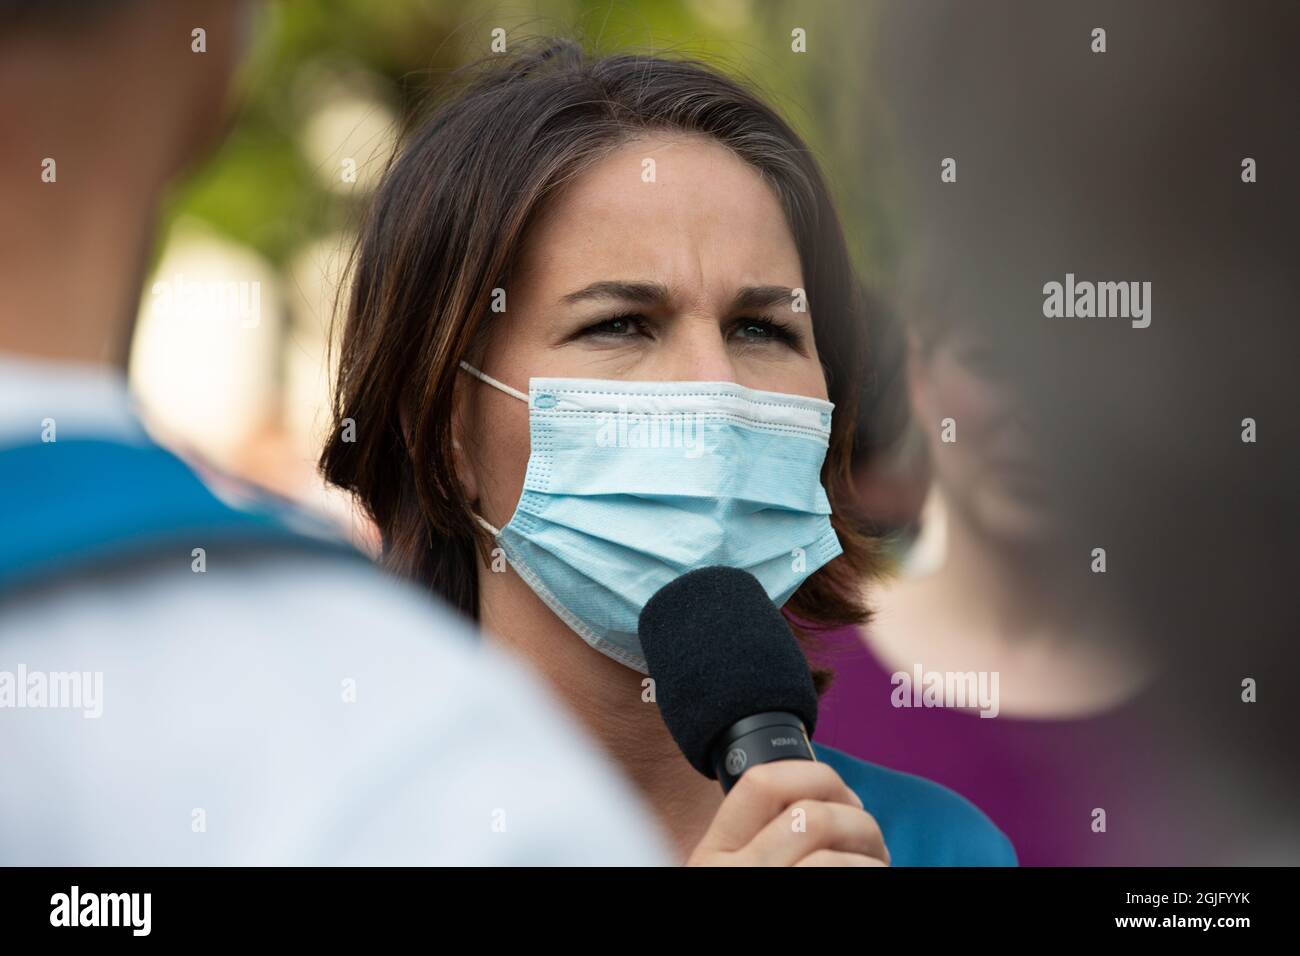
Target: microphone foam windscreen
720,651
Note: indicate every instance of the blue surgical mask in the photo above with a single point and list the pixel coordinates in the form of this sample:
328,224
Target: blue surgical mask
632,484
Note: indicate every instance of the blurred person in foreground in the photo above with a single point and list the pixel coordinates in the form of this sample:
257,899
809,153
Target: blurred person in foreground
1117,542
289,704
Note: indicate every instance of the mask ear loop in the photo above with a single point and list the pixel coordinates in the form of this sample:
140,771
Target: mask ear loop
495,532
501,386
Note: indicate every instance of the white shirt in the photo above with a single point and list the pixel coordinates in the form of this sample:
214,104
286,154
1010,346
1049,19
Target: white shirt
277,710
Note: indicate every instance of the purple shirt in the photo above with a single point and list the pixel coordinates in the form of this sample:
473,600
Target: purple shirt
1038,780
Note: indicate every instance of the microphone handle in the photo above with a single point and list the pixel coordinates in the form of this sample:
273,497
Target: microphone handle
763,738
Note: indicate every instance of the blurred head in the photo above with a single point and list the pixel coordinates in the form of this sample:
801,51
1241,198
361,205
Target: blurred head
979,434
646,219
102,104
114,72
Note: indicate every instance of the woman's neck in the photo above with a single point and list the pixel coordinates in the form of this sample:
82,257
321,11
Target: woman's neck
614,702
1012,588
1018,609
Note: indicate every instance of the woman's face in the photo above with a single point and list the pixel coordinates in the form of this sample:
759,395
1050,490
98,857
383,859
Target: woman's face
991,472
688,276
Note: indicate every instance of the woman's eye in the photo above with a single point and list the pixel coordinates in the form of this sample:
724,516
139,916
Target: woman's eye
619,326
765,330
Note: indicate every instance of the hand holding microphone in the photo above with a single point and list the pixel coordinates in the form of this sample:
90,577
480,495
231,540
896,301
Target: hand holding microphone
735,692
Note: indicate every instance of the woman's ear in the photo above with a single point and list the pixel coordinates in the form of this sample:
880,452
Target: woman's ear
461,411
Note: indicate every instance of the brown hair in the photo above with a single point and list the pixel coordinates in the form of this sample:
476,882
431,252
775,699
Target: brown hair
445,229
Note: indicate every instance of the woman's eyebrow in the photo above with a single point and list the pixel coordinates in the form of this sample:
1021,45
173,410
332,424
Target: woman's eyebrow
644,293
762,297
657,294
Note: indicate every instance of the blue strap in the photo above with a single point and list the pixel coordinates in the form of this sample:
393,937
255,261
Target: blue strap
74,503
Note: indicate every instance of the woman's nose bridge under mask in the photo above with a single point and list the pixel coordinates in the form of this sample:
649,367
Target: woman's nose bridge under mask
632,484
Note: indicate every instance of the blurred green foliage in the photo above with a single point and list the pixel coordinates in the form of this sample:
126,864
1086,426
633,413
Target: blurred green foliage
264,190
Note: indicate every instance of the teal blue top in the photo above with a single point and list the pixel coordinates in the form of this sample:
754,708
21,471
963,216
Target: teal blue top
76,502
924,824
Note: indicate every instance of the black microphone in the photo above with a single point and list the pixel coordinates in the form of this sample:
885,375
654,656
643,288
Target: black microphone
730,680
